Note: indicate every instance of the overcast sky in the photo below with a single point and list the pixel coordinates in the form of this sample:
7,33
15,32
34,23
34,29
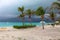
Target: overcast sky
8,8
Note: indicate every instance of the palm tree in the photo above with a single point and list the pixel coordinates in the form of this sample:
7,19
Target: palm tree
56,5
30,13
52,16
21,9
40,12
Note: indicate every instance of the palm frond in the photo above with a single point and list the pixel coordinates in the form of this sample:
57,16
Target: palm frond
21,8
40,11
56,3
28,12
52,15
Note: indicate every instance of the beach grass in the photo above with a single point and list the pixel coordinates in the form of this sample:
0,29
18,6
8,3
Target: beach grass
23,26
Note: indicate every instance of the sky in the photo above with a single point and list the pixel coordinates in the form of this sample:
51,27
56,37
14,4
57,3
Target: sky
9,8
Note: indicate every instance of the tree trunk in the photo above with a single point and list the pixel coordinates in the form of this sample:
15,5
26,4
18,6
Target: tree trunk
23,18
42,18
42,25
53,23
30,21
53,19
23,21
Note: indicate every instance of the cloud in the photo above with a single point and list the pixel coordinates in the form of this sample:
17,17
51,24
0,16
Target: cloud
34,2
5,3
8,8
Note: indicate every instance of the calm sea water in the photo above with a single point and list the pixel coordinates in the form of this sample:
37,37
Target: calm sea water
10,24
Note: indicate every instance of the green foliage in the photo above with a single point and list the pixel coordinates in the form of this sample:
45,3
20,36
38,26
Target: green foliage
58,4
29,12
21,15
52,15
21,8
40,11
24,26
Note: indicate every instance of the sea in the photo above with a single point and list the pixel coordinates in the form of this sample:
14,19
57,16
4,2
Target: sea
16,21
11,24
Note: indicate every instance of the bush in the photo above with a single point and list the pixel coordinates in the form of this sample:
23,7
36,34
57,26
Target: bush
53,24
25,26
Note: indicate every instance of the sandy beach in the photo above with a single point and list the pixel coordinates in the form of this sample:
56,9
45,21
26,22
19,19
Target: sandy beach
37,33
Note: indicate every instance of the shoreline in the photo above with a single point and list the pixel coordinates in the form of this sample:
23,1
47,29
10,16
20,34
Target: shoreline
36,33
